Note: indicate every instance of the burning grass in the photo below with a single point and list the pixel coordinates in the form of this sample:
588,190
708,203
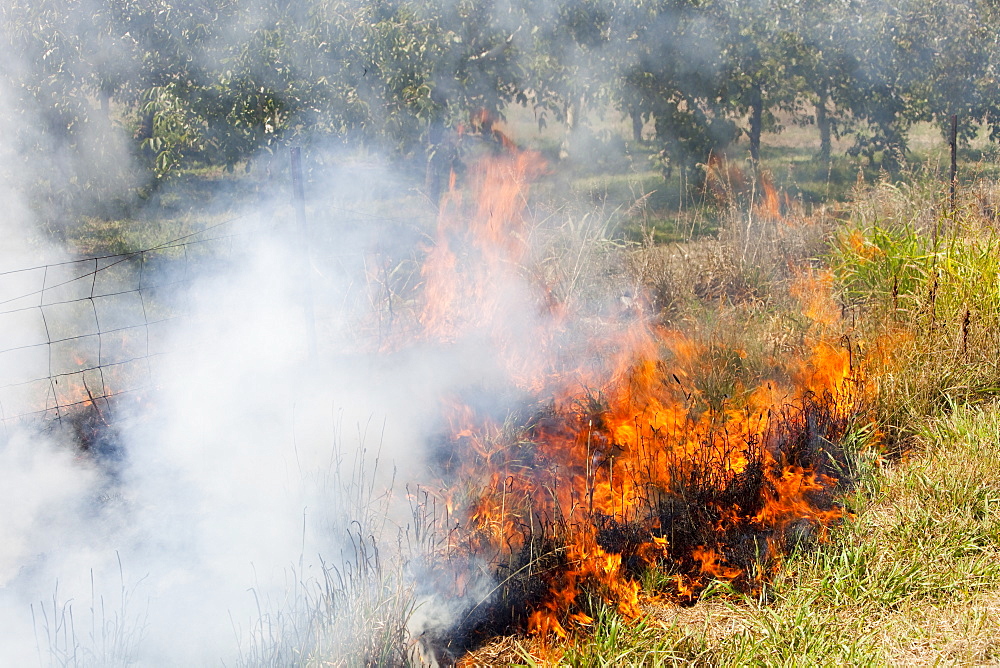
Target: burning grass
704,501
695,425
910,577
642,454
609,449
722,430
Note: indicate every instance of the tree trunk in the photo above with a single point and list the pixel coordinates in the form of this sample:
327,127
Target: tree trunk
570,113
756,121
145,130
823,123
573,112
636,125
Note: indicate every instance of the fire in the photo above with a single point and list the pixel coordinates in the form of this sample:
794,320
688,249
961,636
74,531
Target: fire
727,183
478,243
620,462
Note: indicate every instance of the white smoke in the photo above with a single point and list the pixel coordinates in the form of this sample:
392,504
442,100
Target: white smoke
229,483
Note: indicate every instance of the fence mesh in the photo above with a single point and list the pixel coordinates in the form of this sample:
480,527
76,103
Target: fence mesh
95,331
90,331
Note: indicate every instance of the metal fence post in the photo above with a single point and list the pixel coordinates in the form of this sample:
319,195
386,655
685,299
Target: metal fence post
298,195
954,161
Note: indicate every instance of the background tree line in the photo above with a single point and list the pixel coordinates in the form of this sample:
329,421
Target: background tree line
182,83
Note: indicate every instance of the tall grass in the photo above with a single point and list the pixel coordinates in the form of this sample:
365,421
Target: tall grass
106,634
357,610
922,283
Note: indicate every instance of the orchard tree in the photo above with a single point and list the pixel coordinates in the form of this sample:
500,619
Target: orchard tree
572,50
883,99
66,145
952,55
704,67
762,58
435,64
678,81
829,66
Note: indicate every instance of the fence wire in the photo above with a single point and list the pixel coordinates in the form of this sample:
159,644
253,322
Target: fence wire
89,332
96,331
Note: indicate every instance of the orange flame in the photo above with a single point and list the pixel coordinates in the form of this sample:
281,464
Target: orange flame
622,463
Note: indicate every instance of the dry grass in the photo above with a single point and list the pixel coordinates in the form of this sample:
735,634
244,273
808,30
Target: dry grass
961,634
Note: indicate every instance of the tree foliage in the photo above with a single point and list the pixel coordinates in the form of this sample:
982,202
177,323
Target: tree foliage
218,82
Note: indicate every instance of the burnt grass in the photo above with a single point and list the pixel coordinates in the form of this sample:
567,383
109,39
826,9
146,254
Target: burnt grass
93,433
702,508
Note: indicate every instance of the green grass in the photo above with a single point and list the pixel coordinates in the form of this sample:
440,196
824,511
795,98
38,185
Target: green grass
923,282
614,641
192,202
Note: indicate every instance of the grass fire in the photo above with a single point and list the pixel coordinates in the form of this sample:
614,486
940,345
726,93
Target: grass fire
609,458
578,332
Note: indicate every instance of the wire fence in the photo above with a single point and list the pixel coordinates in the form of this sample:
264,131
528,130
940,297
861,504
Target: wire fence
89,332
95,331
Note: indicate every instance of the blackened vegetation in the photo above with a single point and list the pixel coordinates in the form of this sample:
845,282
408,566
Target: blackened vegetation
524,583
705,507
93,434
809,435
